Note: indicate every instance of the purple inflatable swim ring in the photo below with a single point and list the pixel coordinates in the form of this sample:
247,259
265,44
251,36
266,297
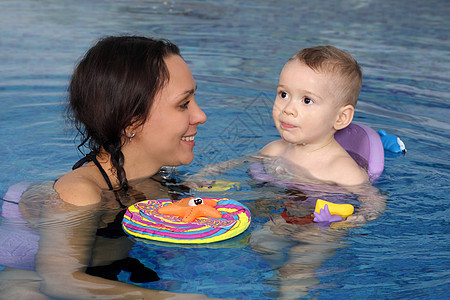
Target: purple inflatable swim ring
360,141
365,146
18,242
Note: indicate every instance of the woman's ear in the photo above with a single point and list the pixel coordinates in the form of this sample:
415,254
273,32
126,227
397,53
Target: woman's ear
344,117
130,132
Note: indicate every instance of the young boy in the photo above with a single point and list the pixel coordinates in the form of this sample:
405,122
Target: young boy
316,96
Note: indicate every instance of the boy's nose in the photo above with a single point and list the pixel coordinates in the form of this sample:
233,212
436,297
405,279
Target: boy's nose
289,109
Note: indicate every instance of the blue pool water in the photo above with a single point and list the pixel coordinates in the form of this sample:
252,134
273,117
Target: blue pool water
236,50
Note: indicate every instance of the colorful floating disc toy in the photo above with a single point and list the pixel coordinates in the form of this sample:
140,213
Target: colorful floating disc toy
144,220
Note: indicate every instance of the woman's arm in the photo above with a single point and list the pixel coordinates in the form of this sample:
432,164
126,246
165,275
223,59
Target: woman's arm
201,177
67,235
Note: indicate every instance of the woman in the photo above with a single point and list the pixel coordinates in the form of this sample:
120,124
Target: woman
132,101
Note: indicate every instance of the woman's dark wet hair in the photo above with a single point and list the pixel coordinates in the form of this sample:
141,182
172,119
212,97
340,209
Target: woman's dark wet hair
112,88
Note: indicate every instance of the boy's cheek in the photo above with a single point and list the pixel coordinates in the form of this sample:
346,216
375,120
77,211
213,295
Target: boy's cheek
275,118
275,111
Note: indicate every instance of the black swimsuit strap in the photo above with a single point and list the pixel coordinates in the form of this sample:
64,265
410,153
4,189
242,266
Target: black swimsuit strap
92,157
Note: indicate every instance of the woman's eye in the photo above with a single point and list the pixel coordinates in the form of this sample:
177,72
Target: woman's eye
185,105
307,100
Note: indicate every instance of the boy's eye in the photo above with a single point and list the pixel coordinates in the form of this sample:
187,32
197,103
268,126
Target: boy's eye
307,100
283,95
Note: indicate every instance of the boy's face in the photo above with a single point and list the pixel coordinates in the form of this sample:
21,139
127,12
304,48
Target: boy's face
306,107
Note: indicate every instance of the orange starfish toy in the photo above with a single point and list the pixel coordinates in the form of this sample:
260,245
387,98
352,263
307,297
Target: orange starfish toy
191,208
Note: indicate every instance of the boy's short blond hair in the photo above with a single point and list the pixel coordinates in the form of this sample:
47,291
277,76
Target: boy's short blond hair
333,60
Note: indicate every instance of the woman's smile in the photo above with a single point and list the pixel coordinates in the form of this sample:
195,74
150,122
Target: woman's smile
190,140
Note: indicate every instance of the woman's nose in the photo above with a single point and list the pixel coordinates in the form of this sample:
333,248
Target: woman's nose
197,115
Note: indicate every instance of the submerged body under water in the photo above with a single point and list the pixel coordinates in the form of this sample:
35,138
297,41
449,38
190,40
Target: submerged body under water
276,257
63,248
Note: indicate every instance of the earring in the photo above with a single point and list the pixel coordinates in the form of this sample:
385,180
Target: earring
131,136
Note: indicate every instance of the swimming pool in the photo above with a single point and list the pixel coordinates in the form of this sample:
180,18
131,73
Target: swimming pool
236,51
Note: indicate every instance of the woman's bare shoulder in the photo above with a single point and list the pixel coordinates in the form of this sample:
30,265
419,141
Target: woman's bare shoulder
78,188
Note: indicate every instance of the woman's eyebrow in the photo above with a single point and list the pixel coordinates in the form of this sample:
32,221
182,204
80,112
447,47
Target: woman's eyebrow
187,92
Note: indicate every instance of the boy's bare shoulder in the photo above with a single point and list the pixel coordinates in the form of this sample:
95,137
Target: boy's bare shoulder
274,148
345,171
78,189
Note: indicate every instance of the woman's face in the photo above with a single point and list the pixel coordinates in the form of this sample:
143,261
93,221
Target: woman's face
167,136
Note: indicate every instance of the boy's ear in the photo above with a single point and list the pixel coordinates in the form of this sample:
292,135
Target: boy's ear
345,117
